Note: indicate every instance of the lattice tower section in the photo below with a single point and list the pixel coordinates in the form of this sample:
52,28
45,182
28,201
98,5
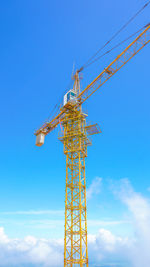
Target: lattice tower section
75,148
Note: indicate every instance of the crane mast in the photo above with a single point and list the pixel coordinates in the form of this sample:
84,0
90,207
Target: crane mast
75,140
75,137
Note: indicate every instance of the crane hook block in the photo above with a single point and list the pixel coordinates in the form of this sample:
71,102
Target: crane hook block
40,139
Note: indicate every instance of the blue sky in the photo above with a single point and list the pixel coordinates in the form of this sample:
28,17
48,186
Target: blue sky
40,42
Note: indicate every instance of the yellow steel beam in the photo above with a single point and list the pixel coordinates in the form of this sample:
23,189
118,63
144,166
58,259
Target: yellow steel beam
75,149
142,40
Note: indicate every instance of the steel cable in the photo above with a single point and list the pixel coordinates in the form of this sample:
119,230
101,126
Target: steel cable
120,30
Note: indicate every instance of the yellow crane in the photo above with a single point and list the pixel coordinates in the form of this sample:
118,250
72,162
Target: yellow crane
75,139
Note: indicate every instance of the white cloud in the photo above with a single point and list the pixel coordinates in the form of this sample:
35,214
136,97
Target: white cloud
15,252
139,208
94,188
34,212
49,253
104,247
3,238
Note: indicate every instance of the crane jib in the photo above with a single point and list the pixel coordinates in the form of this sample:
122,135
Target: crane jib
142,40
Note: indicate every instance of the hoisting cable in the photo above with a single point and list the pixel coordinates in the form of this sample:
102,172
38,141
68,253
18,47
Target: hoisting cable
120,30
57,106
119,44
92,60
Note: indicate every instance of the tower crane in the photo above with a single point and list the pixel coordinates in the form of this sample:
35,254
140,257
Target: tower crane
75,139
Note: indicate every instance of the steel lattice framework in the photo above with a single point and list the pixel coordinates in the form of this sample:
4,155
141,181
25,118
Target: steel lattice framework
75,149
75,138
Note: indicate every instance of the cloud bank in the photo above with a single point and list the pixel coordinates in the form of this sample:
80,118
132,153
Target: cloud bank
42,252
139,208
17,252
105,248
